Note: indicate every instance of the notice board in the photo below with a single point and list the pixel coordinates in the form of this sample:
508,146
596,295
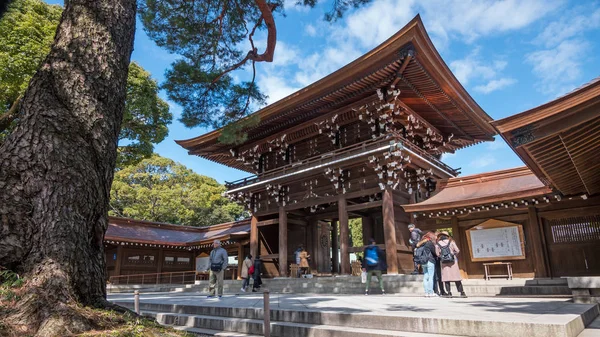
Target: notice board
496,240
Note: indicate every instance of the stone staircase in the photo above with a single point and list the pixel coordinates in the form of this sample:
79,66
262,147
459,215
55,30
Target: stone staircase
405,285
224,319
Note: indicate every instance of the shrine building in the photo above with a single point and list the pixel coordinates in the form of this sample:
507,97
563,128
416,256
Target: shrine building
359,143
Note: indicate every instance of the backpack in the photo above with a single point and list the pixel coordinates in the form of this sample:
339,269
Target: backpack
372,257
422,255
446,255
251,270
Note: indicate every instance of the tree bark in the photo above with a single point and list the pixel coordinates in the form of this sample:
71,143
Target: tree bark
57,167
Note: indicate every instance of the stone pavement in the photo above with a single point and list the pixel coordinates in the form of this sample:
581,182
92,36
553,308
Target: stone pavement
486,316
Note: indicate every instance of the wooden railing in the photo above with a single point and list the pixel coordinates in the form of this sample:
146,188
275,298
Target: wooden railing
334,155
178,277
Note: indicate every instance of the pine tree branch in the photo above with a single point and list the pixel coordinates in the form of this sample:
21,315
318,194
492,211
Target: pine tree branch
266,10
8,117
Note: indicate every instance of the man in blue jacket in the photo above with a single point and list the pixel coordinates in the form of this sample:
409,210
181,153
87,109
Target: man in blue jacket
373,263
218,263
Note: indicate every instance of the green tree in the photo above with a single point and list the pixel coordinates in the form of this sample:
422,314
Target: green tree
26,34
208,35
356,233
159,189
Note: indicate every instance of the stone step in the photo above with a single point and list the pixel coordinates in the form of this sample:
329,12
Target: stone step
540,320
394,284
210,332
278,329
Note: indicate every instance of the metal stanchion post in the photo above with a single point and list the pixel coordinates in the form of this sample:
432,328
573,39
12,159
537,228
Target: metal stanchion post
136,301
266,315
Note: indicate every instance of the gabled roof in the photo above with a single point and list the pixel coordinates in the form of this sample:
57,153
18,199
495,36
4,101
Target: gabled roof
147,232
560,140
427,86
484,188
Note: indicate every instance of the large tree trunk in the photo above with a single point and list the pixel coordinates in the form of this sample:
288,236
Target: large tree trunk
56,168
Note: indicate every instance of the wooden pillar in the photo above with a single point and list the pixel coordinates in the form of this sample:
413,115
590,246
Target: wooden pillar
464,250
335,263
313,243
367,229
344,235
535,241
283,265
254,236
161,260
240,260
119,260
389,231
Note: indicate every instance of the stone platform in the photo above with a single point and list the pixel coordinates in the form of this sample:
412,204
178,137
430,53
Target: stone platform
406,285
296,315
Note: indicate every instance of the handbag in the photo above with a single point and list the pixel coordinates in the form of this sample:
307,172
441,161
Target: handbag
251,270
363,277
215,266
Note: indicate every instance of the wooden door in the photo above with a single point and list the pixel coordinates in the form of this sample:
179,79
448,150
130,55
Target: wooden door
573,245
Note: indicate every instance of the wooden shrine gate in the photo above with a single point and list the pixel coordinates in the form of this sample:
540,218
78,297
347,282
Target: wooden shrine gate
573,245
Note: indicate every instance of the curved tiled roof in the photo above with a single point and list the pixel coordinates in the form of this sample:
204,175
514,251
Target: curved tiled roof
146,232
483,188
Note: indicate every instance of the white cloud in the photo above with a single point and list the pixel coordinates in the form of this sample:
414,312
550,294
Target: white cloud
569,26
276,87
293,5
494,85
472,19
310,30
497,144
558,68
472,68
483,161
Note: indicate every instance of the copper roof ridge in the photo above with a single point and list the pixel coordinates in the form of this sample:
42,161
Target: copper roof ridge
526,193
489,176
557,105
146,223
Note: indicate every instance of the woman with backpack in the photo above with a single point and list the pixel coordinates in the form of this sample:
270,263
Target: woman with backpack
447,250
425,256
247,271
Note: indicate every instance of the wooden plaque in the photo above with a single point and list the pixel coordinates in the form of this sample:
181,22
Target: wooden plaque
495,240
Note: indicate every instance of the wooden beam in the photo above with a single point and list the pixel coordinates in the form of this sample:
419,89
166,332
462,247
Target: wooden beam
254,236
365,205
367,229
535,240
240,254
464,250
161,260
334,248
119,260
389,231
344,235
282,242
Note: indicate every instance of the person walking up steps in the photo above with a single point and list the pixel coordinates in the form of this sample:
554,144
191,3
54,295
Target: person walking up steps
257,273
218,262
247,271
415,237
373,263
425,256
448,250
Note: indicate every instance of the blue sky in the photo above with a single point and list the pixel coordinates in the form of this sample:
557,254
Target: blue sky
510,55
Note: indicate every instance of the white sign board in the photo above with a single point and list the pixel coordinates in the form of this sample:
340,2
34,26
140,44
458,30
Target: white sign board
496,242
202,263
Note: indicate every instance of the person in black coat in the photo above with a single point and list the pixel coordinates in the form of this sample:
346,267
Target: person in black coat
374,263
256,275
